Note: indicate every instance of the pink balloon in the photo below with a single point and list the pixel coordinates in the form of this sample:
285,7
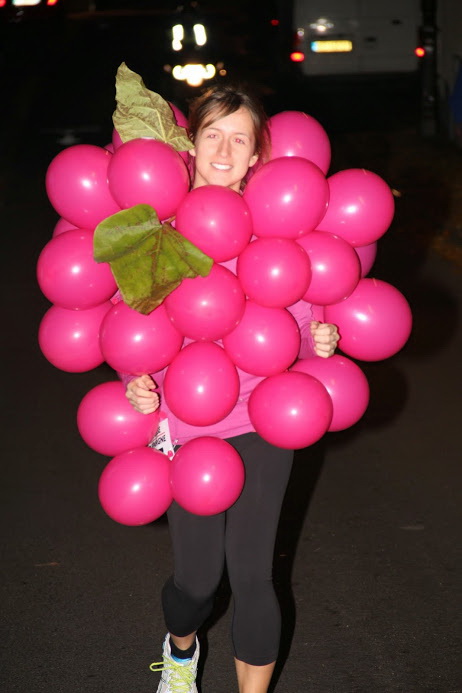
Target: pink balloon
207,308
146,171
69,339
136,343
69,276
116,140
361,206
216,220
134,488
109,424
201,384
346,384
287,198
61,226
374,322
290,410
77,185
367,255
207,476
273,272
335,268
294,133
266,341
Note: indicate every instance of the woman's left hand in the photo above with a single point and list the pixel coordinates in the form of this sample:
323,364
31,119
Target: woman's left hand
325,338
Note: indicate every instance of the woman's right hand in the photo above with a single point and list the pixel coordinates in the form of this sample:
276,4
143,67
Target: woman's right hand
141,396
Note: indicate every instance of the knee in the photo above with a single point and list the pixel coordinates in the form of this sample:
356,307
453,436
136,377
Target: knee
252,587
197,586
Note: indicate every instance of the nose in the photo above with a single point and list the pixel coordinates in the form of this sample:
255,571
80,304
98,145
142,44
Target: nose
224,147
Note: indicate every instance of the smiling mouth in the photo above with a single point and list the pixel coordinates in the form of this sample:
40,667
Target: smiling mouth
221,167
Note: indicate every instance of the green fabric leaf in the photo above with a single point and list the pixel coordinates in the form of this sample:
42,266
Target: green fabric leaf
148,259
143,113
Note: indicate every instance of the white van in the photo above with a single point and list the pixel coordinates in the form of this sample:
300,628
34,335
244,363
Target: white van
336,37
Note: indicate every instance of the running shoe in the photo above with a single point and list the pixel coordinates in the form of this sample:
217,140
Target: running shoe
176,677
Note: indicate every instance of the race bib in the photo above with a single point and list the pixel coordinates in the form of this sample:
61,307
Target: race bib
162,440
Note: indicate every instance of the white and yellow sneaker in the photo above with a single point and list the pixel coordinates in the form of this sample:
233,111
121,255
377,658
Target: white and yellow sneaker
176,676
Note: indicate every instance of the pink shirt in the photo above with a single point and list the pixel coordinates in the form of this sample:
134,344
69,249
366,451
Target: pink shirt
238,421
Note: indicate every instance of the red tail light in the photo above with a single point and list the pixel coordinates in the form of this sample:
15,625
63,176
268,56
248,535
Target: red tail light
297,57
52,2
274,22
420,51
2,3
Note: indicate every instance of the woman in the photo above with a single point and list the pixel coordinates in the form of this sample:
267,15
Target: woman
229,132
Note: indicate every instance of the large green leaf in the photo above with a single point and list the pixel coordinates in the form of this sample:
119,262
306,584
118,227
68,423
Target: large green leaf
143,113
148,259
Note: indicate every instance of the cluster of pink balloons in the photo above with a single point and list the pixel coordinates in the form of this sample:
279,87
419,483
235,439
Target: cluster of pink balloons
86,184
294,235
205,477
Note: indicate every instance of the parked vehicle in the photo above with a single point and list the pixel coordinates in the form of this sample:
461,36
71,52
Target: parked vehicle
192,49
21,11
334,37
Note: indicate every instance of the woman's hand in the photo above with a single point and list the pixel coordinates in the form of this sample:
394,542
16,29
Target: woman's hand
325,338
141,396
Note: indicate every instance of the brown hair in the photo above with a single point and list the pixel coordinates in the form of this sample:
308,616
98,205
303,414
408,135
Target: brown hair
222,100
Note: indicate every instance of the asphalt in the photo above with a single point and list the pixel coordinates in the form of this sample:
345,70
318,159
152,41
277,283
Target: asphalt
368,557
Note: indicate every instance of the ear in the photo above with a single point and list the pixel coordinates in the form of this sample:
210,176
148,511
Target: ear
253,160
192,152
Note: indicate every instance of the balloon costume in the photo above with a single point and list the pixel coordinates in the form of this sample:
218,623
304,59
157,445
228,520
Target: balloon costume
241,278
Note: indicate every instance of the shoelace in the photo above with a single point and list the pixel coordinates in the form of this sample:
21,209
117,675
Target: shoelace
182,677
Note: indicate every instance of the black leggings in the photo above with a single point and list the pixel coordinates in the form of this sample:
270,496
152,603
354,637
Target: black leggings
245,536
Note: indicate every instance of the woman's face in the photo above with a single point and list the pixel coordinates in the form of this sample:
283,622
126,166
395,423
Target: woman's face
224,151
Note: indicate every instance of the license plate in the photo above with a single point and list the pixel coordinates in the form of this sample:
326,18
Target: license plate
23,3
334,46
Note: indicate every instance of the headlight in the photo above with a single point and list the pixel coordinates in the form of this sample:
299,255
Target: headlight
200,34
177,37
194,74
